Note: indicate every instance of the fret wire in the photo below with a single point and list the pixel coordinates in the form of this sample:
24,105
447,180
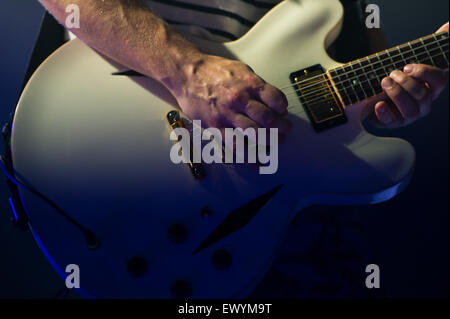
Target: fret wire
402,61
401,54
415,58
289,86
368,79
412,49
426,50
440,47
384,67
329,94
418,56
353,89
359,79
352,81
371,64
390,58
374,72
378,78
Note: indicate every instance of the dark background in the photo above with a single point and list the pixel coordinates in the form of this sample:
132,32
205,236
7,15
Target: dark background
408,236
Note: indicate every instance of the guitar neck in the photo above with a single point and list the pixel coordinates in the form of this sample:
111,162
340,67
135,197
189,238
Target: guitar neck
360,79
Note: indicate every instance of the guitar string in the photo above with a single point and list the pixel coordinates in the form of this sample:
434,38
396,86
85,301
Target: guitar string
327,81
338,91
354,70
302,111
352,78
292,106
423,46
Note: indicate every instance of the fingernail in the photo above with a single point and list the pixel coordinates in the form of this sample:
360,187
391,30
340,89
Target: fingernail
396,75
408,69
388,83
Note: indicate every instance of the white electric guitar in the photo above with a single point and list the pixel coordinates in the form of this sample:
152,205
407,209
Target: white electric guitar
96,142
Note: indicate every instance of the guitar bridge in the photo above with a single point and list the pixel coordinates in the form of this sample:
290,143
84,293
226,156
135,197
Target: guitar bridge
175,121
320,101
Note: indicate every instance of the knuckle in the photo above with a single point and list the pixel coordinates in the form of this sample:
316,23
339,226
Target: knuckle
276,93
234,96
248,107
254,81
276,97
216,120
268,119
249,68
420,93
212,102
420,72
284,100
213,118
400,77
395,92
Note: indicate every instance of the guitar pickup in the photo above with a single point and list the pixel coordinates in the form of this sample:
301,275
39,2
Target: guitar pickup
318,98
175,121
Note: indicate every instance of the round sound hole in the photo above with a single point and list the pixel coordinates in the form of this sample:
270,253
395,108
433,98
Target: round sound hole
221,259
178,234
181,289
137,266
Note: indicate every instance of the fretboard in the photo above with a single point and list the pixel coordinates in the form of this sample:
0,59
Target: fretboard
360,79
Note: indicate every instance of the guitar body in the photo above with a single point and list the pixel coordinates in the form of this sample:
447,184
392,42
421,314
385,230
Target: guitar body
98,146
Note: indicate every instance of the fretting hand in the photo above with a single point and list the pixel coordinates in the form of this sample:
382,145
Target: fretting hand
411,93
227,94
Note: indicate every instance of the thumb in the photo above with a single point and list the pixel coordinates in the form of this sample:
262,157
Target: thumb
443,28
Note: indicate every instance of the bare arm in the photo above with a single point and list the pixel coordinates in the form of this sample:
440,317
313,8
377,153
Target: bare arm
129,33
222,93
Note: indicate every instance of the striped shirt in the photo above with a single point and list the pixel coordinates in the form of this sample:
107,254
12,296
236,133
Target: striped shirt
217,20
325,250
310,262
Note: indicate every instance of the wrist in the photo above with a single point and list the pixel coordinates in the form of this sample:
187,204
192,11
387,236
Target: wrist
185,73
181,59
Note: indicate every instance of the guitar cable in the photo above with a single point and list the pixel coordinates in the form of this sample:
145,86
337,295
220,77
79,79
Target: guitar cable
92,241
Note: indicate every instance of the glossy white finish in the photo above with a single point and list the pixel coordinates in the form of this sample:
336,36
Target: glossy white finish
98,145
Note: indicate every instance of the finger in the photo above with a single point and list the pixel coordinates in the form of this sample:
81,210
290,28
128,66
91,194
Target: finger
273,98
265,117
243,122
435,77
405,103
384,113
443,28
416,89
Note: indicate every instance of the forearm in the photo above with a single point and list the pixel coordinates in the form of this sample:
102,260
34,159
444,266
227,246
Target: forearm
129,33
222,93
